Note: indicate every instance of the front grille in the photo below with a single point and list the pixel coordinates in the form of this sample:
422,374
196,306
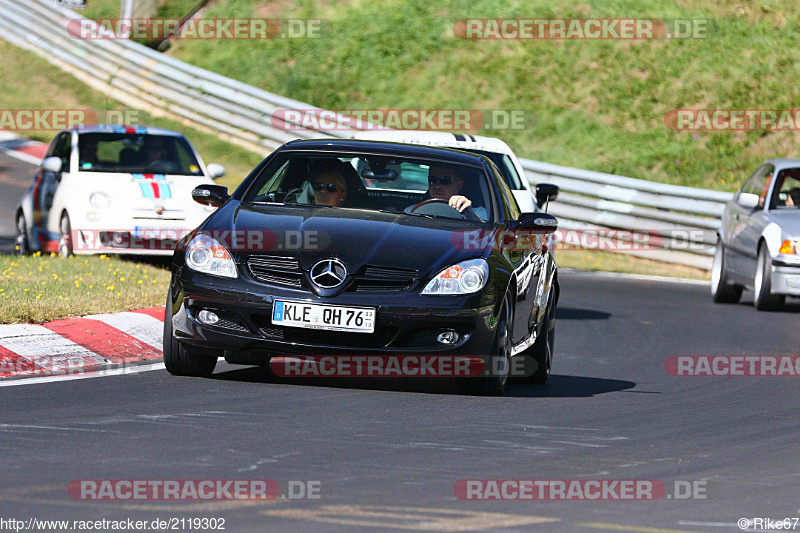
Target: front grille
377,339
276,270
229,324
384,279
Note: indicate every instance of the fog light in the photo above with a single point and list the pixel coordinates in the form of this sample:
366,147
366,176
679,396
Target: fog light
207,317
448,336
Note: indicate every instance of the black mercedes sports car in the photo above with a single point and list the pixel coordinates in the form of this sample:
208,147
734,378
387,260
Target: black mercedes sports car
345,248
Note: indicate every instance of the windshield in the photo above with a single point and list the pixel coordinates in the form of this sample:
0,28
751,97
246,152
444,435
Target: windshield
787,190
136,154
371,182
506,166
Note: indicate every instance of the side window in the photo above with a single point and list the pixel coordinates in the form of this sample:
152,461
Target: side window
506,193
758,183
63,149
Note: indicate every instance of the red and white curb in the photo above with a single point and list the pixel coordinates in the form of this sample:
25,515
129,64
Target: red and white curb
76,348
23,149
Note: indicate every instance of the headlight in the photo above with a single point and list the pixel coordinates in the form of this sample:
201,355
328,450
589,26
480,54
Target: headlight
99,199
205,254
464,278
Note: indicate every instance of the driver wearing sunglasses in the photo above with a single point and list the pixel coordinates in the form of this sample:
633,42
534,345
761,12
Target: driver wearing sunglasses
444,183
330,188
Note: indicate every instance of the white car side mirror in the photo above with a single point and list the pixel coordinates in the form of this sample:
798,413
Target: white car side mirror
52,164
748,200
215,171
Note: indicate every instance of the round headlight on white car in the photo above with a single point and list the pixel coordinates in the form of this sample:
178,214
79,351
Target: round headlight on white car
99,199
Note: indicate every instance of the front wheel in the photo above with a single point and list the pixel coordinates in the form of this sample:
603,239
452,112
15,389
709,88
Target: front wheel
181,360
542,349
500,360
21,241
722,290
65,240
763,299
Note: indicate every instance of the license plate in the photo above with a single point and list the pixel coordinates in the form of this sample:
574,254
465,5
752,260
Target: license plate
140,232
320,316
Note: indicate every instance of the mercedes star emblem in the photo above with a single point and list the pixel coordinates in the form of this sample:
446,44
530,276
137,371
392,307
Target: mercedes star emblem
328,273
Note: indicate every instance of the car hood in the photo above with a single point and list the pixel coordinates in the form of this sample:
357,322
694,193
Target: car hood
147,194
355,237
788,220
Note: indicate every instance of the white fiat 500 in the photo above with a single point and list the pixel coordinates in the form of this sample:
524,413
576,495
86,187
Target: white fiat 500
113,189
495,149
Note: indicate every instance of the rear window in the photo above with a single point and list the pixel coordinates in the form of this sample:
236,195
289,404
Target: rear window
506,166
136,154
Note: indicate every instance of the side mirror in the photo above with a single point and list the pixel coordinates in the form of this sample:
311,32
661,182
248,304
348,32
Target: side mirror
537,222
52,164
215,171
213,195
545,192
748,200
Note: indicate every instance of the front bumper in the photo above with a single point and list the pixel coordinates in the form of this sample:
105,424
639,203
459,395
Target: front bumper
405,323
786,280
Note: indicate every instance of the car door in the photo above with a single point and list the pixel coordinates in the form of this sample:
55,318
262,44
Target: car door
523,252
44,188
744,225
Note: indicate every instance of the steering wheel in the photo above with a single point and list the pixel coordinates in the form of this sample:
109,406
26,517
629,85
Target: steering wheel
437,201
162,165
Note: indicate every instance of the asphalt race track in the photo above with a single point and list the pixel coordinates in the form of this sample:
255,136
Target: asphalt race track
387,453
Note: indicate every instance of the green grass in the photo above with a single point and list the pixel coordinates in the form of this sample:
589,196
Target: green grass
599,105
42,288
593,260
56,89
108,9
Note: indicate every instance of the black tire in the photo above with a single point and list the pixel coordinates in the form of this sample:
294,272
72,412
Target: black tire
179,360
763,299
65,248
21,245
722,289
542,350
495,383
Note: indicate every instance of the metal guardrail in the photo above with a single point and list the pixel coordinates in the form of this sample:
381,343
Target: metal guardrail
236,112
684,218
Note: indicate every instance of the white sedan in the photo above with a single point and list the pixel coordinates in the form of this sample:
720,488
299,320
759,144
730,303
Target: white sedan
113,189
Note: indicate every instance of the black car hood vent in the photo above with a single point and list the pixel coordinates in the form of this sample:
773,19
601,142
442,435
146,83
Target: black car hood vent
384,279
276,270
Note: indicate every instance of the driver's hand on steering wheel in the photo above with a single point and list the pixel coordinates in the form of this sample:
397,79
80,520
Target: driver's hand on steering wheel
459,202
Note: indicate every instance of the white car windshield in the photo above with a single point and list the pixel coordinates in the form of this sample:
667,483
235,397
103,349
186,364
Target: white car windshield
136,154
